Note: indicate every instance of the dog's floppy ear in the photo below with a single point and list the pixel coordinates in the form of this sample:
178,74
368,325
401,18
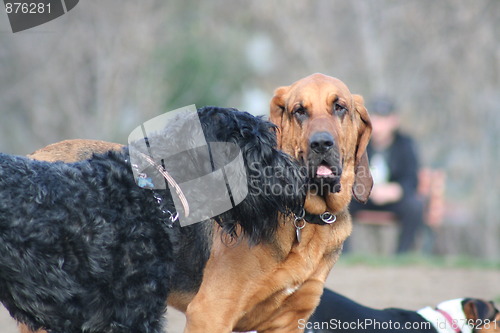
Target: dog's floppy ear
363,181
277,110
274,181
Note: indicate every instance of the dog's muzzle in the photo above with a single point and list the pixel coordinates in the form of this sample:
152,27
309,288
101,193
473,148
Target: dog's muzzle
324,162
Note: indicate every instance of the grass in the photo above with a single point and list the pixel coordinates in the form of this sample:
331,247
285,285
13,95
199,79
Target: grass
420,260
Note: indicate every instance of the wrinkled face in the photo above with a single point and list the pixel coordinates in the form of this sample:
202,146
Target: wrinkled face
327,128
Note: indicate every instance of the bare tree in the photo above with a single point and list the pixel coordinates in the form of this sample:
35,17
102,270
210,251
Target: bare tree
103,68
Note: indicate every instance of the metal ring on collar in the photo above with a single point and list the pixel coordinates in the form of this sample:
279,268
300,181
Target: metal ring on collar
173,217
328,217
297,226
301,217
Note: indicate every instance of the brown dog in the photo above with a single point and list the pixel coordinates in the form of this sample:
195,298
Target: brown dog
271,286
322,124
73,150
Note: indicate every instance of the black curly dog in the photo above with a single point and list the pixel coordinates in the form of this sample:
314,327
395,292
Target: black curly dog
84,249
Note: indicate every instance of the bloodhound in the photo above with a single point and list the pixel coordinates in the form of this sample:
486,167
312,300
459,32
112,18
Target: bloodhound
270,286
321,124
73,150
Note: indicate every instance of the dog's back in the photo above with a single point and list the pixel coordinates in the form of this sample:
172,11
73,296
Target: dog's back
73,150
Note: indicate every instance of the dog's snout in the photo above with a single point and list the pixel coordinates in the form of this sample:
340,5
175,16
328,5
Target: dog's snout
321,142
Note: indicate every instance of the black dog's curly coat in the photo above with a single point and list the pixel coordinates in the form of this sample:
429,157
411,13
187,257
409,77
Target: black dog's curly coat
84,249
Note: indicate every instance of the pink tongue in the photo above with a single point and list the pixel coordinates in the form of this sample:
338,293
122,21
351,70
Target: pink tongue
324,171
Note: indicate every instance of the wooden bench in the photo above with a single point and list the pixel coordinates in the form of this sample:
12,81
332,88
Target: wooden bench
376,232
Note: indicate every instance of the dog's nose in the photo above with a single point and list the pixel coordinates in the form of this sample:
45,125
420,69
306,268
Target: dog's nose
321,142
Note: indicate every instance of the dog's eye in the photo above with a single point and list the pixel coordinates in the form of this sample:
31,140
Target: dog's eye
300,111
339,110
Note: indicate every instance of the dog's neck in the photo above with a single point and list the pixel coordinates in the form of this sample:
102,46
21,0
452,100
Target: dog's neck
315,204
160,199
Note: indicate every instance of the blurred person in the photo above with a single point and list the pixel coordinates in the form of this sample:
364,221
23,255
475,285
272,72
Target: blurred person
394,166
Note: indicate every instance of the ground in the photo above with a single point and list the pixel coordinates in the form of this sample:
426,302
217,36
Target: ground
404,286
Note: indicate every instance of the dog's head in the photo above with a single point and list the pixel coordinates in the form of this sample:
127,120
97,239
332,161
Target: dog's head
327,128
482,315
228,167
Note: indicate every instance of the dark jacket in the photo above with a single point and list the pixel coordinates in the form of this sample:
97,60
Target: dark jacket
402,162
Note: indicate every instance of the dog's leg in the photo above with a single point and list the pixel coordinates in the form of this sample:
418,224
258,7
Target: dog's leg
235,280
221,299
296,310
299,304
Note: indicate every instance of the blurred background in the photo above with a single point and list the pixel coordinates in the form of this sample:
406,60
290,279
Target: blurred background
106,66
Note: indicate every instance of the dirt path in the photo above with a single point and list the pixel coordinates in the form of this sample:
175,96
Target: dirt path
410,287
